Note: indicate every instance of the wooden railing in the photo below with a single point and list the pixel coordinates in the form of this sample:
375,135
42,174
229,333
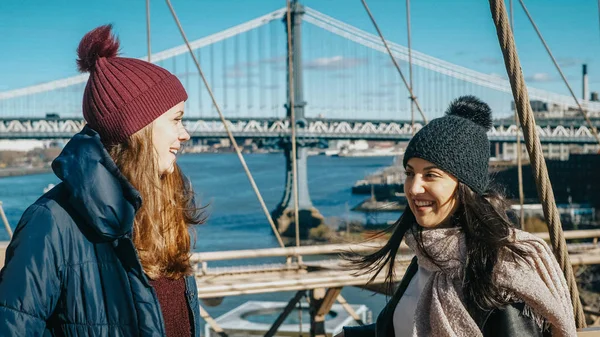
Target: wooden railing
288,252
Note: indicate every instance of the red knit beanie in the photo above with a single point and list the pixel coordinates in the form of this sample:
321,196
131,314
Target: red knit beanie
122,95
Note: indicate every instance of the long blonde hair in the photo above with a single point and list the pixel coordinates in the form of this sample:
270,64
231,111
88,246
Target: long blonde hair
160,229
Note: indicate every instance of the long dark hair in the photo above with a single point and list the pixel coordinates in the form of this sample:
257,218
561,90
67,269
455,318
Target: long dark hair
486,225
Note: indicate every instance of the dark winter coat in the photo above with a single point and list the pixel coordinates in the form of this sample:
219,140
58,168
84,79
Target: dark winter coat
507,321
71,268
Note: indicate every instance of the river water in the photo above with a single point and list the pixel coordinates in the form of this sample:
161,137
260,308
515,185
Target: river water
236,219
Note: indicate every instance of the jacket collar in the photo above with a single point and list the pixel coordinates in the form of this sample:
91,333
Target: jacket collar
98,190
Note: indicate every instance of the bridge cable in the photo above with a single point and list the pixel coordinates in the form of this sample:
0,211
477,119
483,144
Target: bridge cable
148,30
226,126
534,147
583,112
293,125
408,87
199,56
519,147
410,68
5,221
225,81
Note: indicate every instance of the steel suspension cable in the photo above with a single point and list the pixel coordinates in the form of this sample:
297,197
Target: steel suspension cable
534,147
519,147
293,123
148,30
410,68
583,112
225,125
383,40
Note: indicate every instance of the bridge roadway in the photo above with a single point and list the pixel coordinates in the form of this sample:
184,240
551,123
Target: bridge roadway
570,132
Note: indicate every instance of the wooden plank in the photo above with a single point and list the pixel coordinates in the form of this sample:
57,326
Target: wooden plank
328,300
589,332
289,251
294,280
572,235
266,283
213,324
584,259
339,248
349,310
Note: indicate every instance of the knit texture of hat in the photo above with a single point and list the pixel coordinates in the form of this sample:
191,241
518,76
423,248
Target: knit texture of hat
457,143
122,95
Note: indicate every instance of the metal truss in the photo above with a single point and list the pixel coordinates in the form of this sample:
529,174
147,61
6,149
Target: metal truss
279,128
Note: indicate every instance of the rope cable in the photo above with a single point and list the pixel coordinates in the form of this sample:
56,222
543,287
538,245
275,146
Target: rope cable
534,147
410,68
226,126
148,30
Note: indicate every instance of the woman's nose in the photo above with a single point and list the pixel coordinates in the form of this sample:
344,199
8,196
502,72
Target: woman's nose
416,186
184,135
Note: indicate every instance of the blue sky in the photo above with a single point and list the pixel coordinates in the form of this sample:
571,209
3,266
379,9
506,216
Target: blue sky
39,38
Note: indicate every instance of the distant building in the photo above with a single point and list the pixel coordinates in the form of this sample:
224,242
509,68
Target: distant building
574,181
545,110
508,151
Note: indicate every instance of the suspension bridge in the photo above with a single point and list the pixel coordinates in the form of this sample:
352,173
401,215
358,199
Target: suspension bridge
345,81
344,88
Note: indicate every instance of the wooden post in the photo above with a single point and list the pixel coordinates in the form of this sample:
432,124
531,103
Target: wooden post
320,304
317,324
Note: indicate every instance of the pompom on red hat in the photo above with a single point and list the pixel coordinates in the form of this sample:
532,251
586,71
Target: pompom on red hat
122,95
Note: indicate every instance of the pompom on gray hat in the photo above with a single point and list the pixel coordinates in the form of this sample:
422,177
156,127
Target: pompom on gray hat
457,143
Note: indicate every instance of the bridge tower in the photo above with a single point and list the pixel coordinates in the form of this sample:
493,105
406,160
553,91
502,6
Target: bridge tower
283,214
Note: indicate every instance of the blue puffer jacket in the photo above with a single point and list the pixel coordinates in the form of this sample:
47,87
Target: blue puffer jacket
71,268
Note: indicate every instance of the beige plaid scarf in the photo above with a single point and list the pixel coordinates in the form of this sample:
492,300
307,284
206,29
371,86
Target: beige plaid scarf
441,310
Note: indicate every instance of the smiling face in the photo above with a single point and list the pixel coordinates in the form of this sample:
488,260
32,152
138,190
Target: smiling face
431,193
168,134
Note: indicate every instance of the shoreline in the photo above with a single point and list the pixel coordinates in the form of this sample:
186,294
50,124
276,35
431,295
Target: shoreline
23,171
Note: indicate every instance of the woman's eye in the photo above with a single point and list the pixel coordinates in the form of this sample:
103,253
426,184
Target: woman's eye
410,174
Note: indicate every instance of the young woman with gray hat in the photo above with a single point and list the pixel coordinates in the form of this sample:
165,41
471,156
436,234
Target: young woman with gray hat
107,251
474,274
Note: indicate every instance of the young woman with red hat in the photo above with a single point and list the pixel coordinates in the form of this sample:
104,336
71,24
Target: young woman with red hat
107,251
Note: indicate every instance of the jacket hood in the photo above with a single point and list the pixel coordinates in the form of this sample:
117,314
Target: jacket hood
98,190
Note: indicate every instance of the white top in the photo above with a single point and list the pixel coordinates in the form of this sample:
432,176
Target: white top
404,315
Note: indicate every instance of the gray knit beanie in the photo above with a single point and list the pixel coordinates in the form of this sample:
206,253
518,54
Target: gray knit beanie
457,143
